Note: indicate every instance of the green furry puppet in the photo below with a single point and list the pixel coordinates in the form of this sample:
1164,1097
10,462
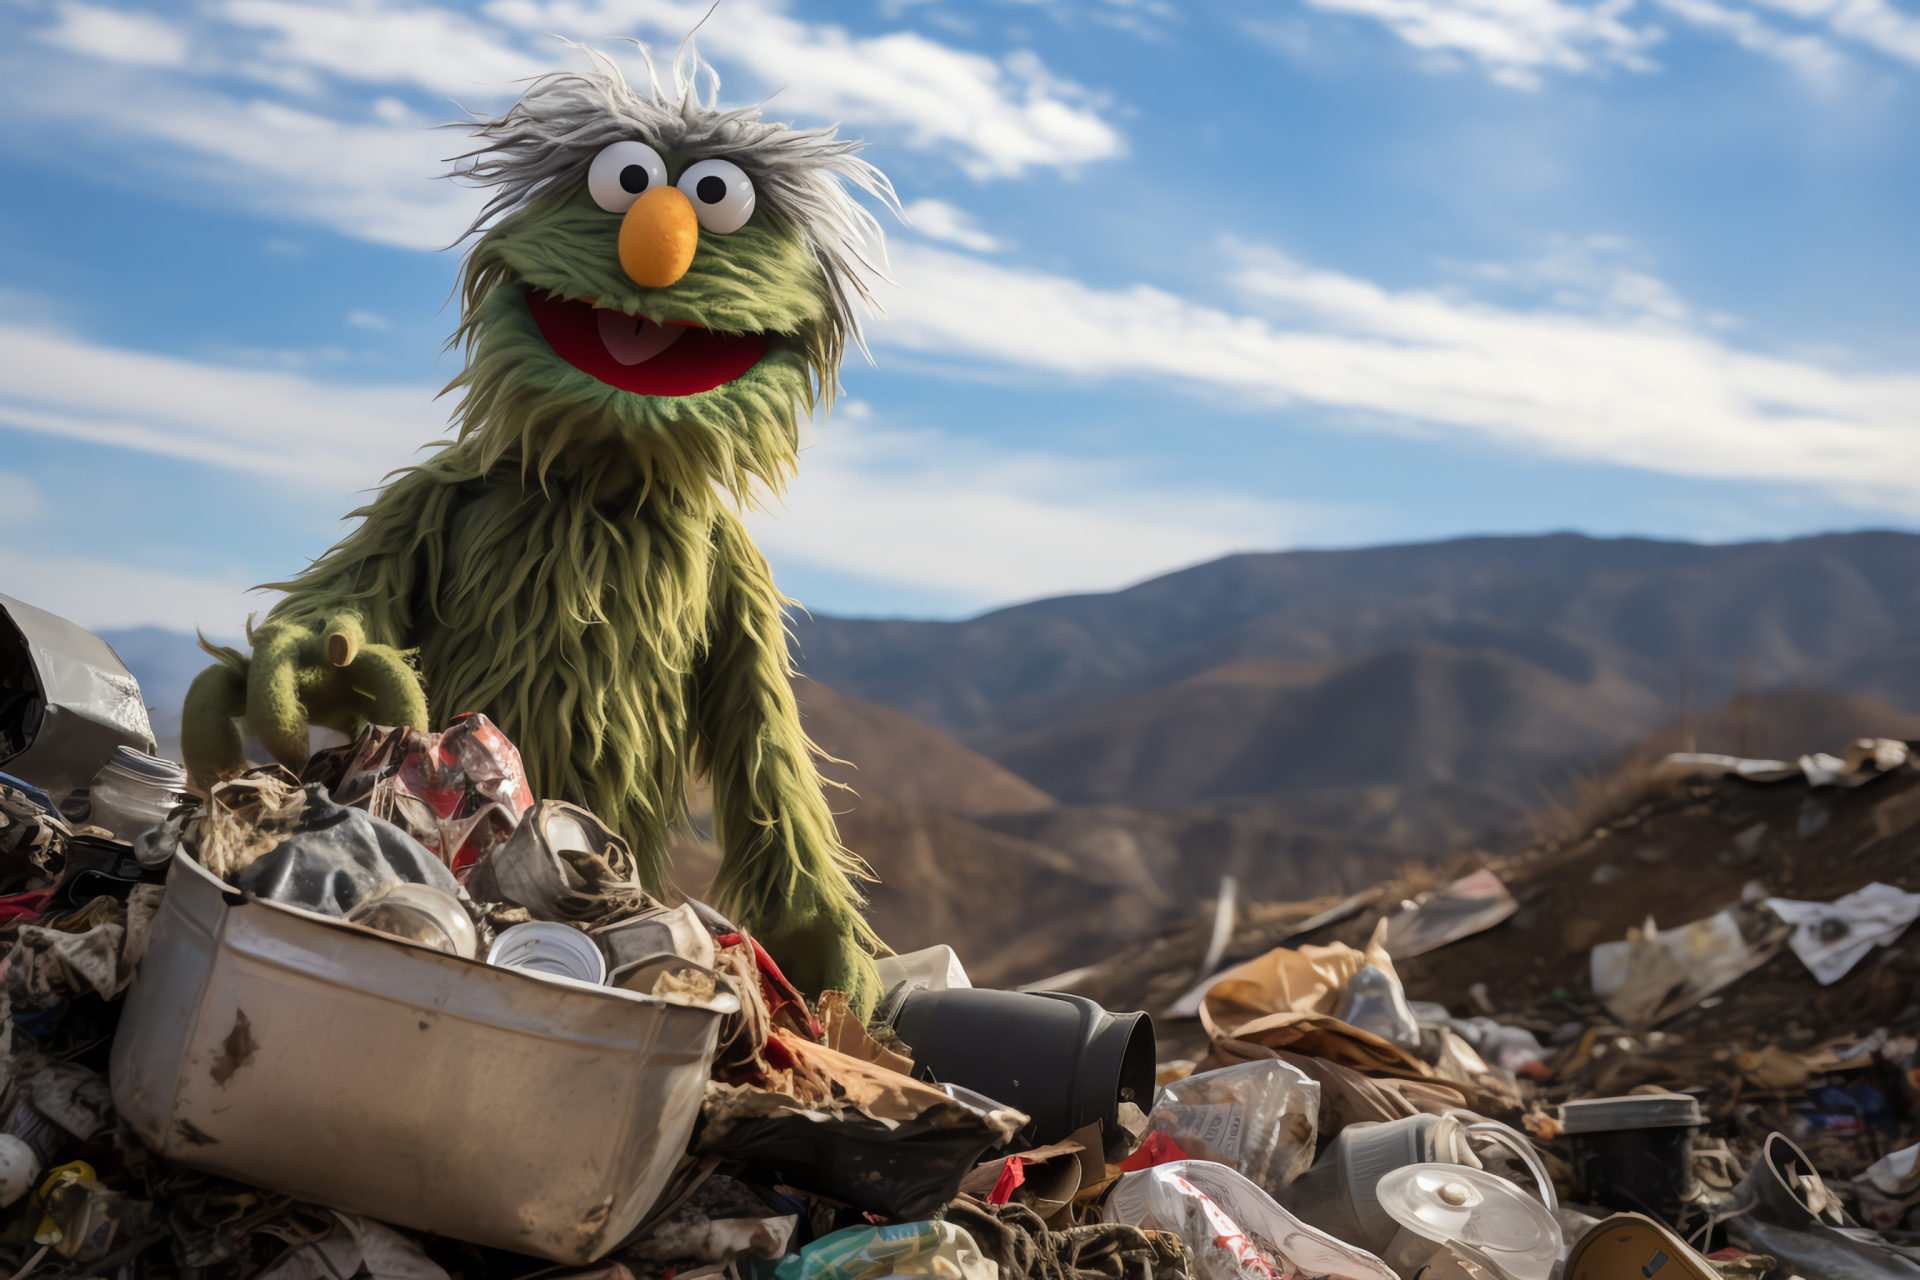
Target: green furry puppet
658,289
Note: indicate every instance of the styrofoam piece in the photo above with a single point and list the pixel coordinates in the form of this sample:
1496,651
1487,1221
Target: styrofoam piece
935,968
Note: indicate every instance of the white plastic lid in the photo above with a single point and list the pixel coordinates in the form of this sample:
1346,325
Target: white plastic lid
1634,1111
1480,1215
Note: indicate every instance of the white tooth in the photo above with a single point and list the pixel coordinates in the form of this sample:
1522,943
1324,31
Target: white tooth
635,339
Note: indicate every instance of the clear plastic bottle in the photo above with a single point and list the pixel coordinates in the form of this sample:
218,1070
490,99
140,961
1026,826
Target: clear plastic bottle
133,791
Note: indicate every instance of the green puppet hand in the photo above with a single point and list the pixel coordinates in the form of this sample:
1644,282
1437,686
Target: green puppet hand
299,675
822,950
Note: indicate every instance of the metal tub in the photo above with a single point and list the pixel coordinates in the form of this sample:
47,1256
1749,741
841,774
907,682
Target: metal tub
303,1054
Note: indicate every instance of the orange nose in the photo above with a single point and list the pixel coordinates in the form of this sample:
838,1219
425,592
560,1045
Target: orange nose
658,237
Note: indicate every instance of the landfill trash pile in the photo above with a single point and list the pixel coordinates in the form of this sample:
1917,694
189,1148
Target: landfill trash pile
1710,988
399,1017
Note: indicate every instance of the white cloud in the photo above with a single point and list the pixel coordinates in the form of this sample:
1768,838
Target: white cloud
1817,61
102,594
998,119
366,179
938,220
342,438
921,509
1635,391
1516,41
275,111
368,320
1513,40
137,38
377,43
1873,23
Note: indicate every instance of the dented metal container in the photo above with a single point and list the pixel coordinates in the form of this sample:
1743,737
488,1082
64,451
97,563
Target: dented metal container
311,1056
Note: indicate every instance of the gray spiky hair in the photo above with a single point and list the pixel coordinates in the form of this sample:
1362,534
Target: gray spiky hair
550,136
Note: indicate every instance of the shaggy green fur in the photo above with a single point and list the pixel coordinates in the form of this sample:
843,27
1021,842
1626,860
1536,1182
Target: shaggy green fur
571,566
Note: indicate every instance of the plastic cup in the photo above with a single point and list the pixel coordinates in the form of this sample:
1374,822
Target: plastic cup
542,946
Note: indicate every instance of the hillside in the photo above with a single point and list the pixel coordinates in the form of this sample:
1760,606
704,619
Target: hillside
1425,695
1840,611
966,852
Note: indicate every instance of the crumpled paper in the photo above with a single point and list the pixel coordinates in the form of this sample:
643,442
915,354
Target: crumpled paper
92,952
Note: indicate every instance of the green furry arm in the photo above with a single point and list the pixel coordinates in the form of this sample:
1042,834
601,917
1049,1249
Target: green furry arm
784,875
332,652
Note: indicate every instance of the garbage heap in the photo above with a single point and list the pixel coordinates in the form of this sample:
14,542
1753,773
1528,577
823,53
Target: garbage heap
1704,990
397,1017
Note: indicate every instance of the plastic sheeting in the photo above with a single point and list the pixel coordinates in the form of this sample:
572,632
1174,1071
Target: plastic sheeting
66,700
1260,1118
1235,1229
1832,937
336,856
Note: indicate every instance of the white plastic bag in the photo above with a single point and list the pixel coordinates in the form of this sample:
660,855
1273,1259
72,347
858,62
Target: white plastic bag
1234,1228
1261,1118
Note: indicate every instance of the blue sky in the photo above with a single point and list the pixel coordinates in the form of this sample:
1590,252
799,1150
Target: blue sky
1181,280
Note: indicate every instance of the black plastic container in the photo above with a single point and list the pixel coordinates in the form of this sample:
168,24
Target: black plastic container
1635,1153
1062,1059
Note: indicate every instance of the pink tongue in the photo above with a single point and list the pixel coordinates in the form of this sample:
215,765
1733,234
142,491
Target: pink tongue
634,340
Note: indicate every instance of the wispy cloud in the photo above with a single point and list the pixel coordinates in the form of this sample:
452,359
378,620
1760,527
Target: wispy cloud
292,106
1874,24
138,38
1514,41
1518,42
364,177
433,48
104,594
1815,59
307,433
923,510
938,220
997,118
1642,390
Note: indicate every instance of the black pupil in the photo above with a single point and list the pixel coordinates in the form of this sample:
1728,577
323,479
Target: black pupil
634,178
711,190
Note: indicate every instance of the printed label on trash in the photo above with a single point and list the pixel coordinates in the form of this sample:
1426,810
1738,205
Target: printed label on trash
1219,1125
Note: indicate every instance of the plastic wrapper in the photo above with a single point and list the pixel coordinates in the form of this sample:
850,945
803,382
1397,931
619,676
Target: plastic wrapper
902,1249
1259,1117
1234,1228
459,793
1374,1002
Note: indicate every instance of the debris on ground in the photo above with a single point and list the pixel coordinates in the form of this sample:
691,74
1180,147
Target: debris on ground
399,1017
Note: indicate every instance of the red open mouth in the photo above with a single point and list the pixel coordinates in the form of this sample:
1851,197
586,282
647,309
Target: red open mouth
634,354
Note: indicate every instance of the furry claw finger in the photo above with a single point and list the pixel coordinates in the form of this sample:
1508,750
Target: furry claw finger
341,649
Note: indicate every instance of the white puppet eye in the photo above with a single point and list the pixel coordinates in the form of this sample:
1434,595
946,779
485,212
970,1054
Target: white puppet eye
721,193
621,172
